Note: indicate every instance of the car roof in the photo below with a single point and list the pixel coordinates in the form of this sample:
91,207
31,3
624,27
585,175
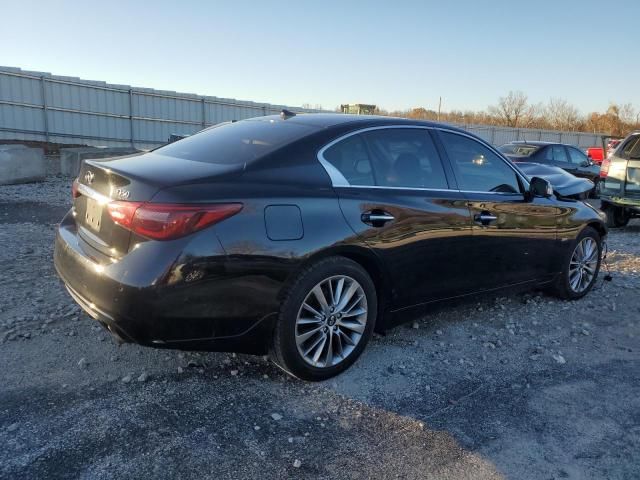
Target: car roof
326,120
536,143
539,143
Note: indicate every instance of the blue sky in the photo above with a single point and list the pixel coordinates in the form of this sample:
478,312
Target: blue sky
397,54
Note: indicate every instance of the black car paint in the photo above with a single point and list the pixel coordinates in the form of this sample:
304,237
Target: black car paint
220,288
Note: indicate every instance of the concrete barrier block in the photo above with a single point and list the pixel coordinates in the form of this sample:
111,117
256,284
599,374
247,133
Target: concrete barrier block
20,164
71,158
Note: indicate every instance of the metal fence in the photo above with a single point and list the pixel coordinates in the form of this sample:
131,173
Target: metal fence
45,107
500,135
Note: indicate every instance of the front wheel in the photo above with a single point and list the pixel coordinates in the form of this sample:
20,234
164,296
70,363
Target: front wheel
580,267
325,320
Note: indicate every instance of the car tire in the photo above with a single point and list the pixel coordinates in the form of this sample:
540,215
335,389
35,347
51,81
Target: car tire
616,216
565,285
294,334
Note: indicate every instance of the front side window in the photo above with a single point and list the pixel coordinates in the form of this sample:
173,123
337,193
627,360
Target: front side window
479,169
577,157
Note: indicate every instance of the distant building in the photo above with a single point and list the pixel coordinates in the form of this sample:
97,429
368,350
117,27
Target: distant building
358,109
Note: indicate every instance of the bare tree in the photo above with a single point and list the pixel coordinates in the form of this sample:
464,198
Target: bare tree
561,115
512,110
627,114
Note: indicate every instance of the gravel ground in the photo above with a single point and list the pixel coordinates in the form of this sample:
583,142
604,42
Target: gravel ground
520,386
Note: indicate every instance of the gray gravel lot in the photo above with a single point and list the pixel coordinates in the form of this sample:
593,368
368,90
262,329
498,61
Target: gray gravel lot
521,386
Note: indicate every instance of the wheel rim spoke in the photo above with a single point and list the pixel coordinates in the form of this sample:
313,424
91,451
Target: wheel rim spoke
314,344
353,326
307,335
331,321
346,338
319,294
319,349
309,321
351,290
354,312
329,358
339,344
338,291
311,309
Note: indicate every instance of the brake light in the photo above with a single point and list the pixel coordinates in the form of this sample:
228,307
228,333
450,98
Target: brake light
74,189
169,221
123,213
604,167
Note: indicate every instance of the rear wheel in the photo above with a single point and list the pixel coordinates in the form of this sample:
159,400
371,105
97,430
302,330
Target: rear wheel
325,320
616,216
580,267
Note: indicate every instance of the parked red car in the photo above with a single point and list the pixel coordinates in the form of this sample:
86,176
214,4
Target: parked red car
596,154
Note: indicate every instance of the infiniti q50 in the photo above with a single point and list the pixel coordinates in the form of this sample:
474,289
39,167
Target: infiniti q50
299,235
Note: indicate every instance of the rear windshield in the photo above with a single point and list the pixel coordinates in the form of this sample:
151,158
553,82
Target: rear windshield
237,142
519,150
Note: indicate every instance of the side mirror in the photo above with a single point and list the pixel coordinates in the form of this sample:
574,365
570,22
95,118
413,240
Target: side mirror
586,163
539,187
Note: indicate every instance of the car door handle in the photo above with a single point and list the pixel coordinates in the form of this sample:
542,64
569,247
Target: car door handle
484,218
377,218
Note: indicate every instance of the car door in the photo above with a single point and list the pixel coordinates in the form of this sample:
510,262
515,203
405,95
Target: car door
514,235
581,165
557,156
396,195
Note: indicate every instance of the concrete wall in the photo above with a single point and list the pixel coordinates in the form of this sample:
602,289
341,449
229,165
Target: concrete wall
20,164
71,158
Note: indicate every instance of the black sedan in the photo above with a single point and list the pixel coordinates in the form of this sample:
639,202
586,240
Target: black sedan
567,157
300,235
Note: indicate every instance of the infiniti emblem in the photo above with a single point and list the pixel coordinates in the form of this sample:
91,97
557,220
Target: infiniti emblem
88,177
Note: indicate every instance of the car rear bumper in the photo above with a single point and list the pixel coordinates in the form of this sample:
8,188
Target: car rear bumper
633,203
140,299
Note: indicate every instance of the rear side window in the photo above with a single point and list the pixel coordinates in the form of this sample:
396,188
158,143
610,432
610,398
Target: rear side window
405,157
237,142
556,153
390,157
351,158
478,169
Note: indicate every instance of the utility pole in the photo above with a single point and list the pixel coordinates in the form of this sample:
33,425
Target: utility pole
439,107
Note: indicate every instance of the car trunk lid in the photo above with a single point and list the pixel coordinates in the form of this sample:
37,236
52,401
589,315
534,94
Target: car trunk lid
132,179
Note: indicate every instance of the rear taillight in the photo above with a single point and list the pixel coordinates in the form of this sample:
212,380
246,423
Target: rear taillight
168,221
123,213
74,189
604,168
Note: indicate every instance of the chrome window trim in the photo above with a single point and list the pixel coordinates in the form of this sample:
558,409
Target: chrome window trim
339,180
381,187
90,192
